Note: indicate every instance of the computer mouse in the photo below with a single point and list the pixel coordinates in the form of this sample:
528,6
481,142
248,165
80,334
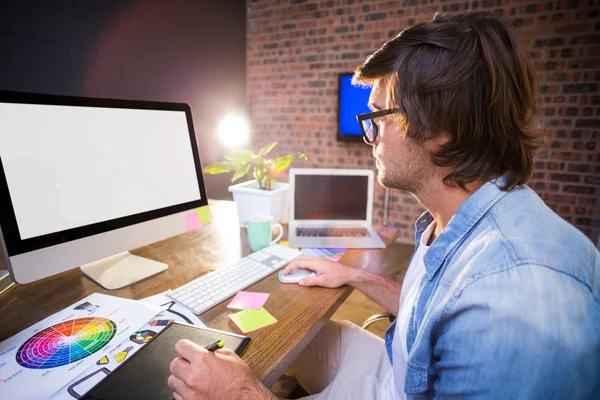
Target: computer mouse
295,276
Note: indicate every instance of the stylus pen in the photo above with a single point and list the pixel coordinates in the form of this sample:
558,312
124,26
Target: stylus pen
215,346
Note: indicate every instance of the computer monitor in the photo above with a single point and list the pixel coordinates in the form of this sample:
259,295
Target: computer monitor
352,100
83,179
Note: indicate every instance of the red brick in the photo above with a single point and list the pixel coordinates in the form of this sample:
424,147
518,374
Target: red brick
593,51
572,28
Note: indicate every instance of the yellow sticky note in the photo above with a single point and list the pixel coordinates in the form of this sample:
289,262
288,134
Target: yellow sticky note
286,244
204,214
250,320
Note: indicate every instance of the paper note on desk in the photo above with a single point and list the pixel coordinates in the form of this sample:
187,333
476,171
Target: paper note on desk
193,221
45,357
171,311
244,300
250,320
330,254
204,214
286,244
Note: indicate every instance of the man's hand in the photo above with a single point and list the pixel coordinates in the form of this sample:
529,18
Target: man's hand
201,374
330,274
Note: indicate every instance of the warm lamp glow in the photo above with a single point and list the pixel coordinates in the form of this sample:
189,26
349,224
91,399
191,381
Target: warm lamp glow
233,130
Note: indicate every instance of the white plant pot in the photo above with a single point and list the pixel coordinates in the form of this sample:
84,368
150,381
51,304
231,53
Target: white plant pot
251,200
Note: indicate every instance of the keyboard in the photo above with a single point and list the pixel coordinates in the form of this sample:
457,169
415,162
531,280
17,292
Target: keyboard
332,232
205,292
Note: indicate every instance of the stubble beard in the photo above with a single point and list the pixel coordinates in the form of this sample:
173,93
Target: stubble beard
401,181
409,174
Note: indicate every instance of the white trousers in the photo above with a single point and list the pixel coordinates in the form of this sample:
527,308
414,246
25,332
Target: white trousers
343,361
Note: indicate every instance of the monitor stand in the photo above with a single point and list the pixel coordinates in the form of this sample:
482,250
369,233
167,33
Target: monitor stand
5,282
122,269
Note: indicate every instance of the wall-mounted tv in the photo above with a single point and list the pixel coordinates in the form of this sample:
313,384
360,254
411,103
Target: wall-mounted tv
352,100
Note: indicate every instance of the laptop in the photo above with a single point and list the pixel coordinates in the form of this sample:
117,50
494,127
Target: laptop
332,208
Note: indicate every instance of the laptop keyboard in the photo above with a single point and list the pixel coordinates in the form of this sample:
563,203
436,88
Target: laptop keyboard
332,232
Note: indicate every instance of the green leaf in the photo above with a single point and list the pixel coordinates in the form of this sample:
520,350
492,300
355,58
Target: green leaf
239,156
265,150
284,161
241,172
301,156
220,167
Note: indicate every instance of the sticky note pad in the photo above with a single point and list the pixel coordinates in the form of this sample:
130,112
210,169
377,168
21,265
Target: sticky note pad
250,320
204,214
193,221
286,244
244,300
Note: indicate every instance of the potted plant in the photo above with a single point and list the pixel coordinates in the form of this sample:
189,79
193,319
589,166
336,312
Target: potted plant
263,195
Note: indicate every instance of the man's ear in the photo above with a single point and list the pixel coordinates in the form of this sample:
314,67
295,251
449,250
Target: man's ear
436,142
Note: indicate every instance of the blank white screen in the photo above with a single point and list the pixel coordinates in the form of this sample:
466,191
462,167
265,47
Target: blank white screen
72,166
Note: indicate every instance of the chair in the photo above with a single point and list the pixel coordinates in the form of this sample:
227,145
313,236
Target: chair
378,317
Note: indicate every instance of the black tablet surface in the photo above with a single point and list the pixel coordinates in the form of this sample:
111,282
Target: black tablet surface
144,375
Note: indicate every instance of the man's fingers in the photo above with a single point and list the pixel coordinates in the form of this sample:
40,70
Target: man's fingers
311,281
226,352
189,350
176,396
301,262
180,368
178,386
294,265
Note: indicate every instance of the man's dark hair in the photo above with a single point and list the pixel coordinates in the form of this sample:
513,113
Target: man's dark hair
467,75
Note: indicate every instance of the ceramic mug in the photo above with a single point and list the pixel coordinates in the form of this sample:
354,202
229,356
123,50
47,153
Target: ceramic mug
260,231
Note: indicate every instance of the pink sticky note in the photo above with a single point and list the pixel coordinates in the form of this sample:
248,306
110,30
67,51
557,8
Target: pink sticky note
244,300
193,221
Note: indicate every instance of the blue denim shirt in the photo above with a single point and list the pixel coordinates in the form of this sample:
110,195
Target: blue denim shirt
509,307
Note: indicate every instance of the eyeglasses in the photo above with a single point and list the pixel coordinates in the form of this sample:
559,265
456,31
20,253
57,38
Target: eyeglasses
369,128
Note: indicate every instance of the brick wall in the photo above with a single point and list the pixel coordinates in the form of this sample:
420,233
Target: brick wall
296,48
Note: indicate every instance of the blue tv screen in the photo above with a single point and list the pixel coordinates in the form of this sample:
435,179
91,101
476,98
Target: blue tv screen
352,100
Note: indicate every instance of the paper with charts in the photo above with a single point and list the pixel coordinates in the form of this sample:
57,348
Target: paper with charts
107,362
42,359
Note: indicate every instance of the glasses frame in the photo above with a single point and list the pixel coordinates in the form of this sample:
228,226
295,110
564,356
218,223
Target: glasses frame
375,114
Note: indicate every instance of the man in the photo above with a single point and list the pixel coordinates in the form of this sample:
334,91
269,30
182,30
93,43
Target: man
501,298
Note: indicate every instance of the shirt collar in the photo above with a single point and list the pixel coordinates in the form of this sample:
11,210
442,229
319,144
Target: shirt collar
466,217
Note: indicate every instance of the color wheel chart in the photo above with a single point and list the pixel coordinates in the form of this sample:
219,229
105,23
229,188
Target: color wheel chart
66,343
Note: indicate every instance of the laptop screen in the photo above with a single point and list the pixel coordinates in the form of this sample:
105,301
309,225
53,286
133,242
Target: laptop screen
331,197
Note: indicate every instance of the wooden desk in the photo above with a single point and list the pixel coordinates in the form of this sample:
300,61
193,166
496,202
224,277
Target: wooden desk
301,311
